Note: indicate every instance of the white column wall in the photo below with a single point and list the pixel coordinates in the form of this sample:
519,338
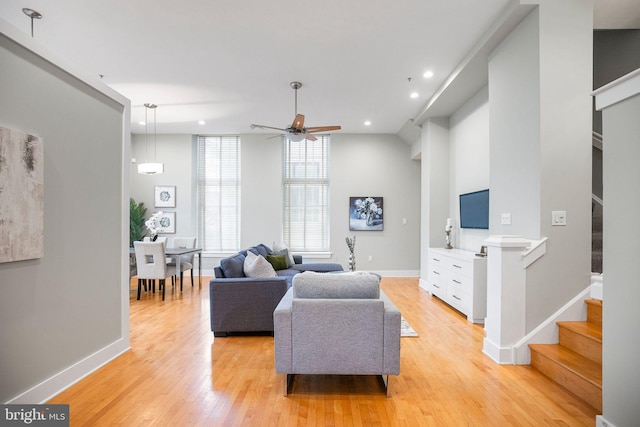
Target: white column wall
621,270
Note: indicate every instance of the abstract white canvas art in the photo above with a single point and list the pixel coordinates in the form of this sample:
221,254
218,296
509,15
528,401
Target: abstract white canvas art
21,196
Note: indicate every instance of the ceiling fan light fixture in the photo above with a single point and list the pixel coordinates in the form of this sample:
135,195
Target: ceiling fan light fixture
295,137
297,131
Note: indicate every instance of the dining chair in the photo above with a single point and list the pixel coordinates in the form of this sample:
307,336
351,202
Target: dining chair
152,263
186,261
158,239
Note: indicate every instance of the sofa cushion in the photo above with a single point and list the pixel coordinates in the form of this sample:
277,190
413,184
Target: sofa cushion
278,247
264,248
352,285
258,266
288,258
233,266
318,267
279,262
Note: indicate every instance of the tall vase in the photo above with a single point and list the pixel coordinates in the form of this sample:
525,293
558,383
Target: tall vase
352,262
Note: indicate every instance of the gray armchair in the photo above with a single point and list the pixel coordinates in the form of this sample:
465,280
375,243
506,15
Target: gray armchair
336,324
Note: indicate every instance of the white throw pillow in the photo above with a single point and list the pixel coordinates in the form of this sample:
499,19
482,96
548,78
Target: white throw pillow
277,247
258,266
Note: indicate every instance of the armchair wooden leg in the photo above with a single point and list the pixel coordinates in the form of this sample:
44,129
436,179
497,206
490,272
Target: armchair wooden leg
163,286
385,379
181,279
139,287
288,379
192,277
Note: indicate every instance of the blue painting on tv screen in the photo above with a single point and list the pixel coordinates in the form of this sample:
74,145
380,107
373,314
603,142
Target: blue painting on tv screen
474,210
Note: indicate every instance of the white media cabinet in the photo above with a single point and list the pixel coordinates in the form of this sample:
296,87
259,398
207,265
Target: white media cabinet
459,278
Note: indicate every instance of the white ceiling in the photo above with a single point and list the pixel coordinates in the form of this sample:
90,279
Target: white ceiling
230,63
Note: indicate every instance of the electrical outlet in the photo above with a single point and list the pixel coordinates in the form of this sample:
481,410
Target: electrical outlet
370,257
505,219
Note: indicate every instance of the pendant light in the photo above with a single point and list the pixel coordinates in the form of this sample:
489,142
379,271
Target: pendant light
148,168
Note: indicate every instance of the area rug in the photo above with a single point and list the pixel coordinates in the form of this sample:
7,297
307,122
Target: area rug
406,330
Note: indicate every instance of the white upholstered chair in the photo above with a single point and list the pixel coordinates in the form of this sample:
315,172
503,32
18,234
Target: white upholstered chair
152,264
186,261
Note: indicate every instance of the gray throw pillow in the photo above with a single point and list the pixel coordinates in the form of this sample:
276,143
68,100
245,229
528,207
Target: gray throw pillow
233,267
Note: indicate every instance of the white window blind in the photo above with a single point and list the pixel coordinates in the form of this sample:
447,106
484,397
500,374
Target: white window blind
218,193
306,194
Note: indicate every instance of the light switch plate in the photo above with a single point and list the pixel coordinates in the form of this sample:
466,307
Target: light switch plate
559,218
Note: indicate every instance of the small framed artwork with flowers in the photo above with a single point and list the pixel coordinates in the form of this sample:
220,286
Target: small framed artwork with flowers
366,214
165,196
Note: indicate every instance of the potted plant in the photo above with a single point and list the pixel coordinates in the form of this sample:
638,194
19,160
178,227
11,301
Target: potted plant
137,228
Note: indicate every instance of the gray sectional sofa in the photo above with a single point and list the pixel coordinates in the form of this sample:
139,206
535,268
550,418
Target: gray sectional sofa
245,304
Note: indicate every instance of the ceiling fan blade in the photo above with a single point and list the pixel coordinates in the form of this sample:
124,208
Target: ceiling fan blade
310,137
266,127
323,128
298,122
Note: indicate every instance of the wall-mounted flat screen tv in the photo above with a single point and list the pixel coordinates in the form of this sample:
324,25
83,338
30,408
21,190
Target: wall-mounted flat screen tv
474,210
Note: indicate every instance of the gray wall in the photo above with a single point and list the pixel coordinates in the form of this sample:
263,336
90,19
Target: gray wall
60,311
541,147
469,163
378,165
620,376
615,53
176,152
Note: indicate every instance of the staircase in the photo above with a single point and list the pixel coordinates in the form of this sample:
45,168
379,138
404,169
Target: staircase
576,361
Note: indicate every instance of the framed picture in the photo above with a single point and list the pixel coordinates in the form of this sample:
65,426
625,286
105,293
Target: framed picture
167,222
365,213
165,196
21,196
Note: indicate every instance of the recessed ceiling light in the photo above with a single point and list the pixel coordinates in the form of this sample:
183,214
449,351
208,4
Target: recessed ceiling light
367,123
414,95
202,122
428,74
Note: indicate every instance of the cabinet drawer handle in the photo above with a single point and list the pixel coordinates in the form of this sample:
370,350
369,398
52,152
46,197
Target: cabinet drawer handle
459,283
436,286
457,266
436,272
458,298
435,259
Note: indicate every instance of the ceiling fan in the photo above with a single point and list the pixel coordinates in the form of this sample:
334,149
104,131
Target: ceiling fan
297,132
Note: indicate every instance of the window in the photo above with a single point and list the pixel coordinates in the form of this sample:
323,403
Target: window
218,193
306,194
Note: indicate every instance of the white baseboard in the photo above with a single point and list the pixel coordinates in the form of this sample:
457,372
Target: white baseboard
547,331
597,290
500,355
602,422
71,375
396,273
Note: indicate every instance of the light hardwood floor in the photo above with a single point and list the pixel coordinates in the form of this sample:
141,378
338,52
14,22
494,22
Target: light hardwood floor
177,374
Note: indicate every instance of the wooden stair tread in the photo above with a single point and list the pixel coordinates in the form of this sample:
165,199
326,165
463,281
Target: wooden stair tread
576,363
586,329
594,302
